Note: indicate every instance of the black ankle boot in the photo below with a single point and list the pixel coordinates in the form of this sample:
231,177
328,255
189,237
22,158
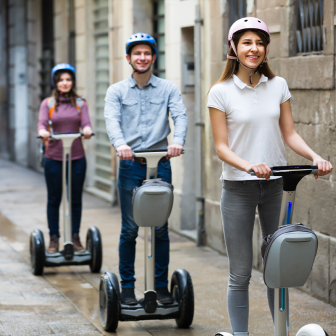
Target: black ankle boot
164,296
128,296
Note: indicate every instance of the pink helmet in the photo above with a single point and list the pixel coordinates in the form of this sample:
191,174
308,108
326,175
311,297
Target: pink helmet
248,23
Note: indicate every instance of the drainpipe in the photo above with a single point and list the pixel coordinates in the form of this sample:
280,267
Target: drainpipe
199,126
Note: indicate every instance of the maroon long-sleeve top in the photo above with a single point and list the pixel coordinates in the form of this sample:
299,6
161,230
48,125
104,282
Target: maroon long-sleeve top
64,119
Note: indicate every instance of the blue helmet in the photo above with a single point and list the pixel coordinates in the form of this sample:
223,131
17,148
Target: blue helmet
141,38
62,66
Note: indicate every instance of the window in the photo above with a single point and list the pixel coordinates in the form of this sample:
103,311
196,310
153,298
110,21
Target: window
159,35
47,58
232,10
237,10
103,171
309,25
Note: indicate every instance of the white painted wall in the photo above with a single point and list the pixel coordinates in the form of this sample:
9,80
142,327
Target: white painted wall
179,15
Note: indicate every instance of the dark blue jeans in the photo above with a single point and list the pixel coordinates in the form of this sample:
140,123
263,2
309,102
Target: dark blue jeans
131,175
53,177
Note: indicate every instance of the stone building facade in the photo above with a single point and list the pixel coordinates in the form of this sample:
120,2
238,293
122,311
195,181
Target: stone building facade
91,35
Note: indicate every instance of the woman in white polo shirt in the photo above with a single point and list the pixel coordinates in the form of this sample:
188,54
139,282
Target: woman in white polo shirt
250,114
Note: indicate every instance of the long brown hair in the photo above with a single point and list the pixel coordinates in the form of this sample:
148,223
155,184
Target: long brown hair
232,66
72,95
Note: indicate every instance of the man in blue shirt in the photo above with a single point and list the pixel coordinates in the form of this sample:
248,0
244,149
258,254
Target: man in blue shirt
136,114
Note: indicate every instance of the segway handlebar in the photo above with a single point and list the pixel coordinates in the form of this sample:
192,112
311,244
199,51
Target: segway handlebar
51,135
291,170
137,152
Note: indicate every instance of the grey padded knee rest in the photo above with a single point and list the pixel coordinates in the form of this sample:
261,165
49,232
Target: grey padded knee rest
152,203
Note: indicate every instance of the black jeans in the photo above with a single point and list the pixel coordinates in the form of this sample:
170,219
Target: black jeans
53,177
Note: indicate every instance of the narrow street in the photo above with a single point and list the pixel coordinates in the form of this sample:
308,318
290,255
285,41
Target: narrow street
64,301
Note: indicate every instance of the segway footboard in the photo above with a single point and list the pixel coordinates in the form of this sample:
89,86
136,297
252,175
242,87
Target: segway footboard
58,259
138,313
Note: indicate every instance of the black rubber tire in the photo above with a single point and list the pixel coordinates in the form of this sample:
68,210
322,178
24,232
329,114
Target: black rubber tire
94,245
185,300
109,304
37,252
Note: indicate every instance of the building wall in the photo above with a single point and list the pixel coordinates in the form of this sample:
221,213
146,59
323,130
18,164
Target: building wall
34,37
19,89
212,63
85,71
18,95
4,113
179,37
121,30
61,31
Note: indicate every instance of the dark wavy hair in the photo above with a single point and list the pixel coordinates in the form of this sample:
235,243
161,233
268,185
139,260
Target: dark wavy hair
72,95
232,66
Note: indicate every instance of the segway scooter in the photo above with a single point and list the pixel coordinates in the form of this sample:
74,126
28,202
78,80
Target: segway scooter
152,204
93,255
288,254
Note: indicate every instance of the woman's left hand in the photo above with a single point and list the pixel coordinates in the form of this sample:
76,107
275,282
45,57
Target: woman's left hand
324,166
87,131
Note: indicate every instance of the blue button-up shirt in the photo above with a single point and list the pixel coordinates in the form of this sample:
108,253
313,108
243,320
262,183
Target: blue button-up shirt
138,116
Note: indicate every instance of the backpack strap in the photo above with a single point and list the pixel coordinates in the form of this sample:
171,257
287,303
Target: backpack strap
79,105
51,106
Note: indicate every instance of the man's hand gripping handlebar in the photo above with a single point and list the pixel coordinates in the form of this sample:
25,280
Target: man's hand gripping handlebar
125,152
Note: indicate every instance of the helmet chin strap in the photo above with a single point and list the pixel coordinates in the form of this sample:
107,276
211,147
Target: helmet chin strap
253,70
137,71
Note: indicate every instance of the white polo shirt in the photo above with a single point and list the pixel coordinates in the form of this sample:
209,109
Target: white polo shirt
252,119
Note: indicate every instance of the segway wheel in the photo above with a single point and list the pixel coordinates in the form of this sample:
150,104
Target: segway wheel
37,252
94,245
109,302
182,290
312,330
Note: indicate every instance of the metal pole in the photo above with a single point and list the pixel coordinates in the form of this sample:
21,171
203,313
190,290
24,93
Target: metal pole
281,323
150,260
66,198
198,131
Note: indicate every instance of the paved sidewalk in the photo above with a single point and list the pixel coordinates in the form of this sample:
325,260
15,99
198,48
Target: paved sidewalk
65,300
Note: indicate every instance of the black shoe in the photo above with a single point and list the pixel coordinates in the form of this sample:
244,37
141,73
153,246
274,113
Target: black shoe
128,297
164,296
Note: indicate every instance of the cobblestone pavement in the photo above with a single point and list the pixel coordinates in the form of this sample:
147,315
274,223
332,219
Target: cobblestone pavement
64,301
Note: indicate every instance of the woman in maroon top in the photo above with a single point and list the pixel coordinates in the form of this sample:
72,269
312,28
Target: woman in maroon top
64,118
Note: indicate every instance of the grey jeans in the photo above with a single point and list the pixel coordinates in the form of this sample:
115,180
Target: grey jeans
238,205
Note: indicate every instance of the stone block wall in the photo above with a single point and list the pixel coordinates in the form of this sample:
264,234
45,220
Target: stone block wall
34,48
